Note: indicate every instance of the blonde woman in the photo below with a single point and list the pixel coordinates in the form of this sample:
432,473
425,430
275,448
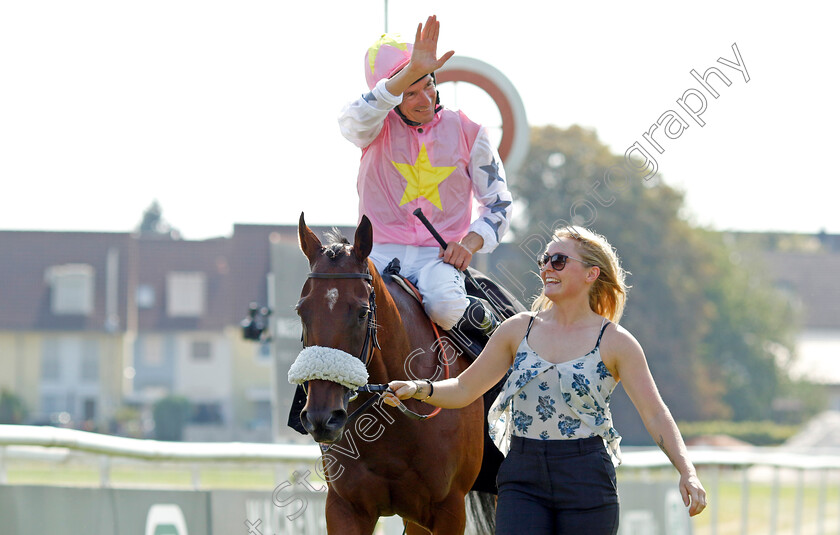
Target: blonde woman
552,420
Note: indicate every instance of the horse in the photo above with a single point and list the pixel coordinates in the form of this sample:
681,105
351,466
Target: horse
384,463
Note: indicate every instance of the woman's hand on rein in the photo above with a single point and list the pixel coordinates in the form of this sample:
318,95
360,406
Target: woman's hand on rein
399,390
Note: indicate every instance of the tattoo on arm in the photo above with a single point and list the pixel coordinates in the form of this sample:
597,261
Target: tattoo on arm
661,444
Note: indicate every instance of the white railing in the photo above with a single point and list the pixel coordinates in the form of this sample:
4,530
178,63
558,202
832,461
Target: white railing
109,447
744,466
154,450
773,469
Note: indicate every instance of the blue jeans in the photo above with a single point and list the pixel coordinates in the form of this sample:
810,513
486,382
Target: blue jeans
556,487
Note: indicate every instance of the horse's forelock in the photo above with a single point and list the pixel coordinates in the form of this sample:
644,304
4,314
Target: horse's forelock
337,244
335,250
335,237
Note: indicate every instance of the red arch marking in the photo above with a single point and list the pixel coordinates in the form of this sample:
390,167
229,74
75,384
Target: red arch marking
490,87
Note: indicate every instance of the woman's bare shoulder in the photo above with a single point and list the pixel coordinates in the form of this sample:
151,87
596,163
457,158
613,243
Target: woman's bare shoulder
514,327
517,321
619,341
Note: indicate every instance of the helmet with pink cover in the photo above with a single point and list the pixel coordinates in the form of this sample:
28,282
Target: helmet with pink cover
386,57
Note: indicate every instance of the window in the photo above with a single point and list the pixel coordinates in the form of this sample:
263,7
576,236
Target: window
264,352
71,289
185,294
145,296
90,367
206,413
202,350
262,415
50,404
50,362
152,348
89,409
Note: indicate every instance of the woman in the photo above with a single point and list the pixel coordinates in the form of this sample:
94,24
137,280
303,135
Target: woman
552,419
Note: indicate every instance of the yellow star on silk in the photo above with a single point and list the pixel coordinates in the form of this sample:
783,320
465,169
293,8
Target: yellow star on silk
423,179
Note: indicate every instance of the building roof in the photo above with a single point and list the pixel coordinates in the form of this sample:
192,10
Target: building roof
811,280
251,261
26,257
235,273
157,258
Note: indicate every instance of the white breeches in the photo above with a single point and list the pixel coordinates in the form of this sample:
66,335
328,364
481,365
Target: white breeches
441,285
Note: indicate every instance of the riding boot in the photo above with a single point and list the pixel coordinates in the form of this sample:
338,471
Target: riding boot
479,315
476,325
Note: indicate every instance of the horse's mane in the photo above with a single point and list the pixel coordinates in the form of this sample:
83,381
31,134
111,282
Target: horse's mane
336,243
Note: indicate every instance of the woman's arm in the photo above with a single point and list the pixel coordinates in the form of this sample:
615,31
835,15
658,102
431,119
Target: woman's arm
625,359
490,366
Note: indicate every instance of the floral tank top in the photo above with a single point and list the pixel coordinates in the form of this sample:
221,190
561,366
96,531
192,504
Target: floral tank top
555,401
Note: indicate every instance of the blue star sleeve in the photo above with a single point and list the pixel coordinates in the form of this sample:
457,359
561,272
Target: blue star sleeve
491,191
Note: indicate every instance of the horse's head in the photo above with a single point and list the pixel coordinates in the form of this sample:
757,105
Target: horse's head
335,309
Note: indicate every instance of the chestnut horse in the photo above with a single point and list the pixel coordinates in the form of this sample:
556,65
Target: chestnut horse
382,463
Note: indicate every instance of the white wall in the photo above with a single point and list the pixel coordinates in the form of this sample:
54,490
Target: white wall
205,380
817,355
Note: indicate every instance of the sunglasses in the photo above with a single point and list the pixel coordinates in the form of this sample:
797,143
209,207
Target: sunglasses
557,260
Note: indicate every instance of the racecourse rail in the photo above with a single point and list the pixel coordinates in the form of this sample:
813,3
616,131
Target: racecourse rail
643,463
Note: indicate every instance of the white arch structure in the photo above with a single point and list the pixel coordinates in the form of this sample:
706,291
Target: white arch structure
513,147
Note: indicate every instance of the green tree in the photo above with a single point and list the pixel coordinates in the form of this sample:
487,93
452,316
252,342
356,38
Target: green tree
751,329
152,225
707,325
12,408
171,415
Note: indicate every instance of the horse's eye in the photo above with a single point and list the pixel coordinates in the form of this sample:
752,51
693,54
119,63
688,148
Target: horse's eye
363,314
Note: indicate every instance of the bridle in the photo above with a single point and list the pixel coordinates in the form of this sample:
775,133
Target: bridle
366,354
370,334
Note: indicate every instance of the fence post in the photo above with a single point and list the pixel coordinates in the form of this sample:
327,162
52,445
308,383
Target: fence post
104,471
797,511
821,503
745,500
3,478
774,501
715,501
195,470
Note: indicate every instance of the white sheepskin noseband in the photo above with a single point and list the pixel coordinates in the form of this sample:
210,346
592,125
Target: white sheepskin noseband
329,364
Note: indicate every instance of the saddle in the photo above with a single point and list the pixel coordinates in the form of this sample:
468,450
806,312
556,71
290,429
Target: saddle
479,285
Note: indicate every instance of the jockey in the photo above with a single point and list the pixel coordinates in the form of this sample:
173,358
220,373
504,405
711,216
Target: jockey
416,153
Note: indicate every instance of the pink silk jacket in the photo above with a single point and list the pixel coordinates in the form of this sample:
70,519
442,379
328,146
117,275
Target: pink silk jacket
442,167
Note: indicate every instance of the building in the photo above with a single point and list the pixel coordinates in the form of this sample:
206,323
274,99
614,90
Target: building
67,322
805,269
94,322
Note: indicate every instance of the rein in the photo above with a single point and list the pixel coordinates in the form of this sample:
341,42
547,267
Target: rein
366,354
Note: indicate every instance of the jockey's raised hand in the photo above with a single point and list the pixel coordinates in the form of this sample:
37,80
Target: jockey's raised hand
423,60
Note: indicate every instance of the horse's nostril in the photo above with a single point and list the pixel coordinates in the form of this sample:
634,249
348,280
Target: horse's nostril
304,419
337,419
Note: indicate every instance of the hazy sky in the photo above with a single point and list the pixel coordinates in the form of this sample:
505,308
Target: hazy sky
225,112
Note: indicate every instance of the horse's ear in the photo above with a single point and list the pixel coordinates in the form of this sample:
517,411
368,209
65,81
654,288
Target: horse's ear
309,242
364,239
